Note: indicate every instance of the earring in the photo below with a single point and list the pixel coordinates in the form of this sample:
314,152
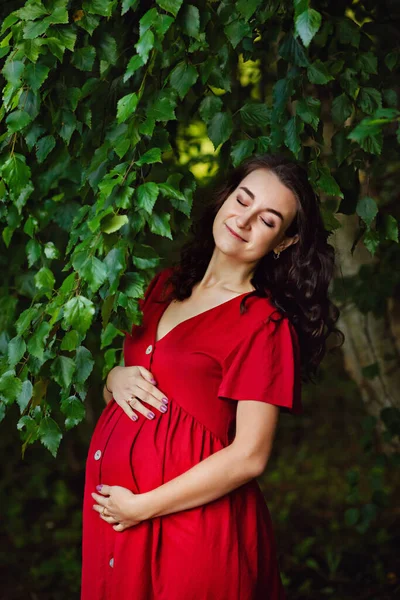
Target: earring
276,255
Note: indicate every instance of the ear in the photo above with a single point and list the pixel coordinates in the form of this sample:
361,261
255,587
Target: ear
288,242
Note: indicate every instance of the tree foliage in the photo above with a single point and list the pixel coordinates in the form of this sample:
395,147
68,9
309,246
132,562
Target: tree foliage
98,99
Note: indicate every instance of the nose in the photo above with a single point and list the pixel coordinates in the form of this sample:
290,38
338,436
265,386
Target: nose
243,221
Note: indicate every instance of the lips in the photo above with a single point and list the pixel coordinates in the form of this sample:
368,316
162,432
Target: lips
236,235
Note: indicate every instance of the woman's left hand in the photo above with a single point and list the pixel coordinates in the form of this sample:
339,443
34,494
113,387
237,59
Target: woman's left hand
118,506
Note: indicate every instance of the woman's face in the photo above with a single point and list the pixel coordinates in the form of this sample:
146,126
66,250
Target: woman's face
252,220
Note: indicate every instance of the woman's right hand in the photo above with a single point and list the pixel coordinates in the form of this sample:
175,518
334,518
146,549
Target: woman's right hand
130,386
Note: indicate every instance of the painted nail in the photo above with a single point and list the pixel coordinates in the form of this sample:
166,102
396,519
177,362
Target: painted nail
98,488
165,400
151,415
153,381
163,408
135,417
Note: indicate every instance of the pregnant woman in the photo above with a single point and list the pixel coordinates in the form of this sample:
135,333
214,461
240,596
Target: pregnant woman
172,508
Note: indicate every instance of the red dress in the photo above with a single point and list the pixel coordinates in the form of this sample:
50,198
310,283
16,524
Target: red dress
222,550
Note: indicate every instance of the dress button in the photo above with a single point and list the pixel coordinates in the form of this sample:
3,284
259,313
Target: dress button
111,563
97,455
149,349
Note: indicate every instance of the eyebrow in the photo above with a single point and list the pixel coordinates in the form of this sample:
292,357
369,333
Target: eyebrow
271,210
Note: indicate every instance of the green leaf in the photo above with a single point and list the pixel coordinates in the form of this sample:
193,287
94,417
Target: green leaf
33,252
145,44
25,395
44,280
151,156
183,77
16,174
50,435
327,183
133,65
114,223
91,269
247,7
293,129
369,99
134,286
236,31
83,58
43,147
50,251
368,135
62,369
98,7
241,150
220,128
307,24
351,516
17,120
84,364
78,313
318,73
341,146
74,411
209,107
190,20
10,387
147,194
171,6
37,341
390,228
255,114
162,108
342,109
145,257
70,340
15,350
308,109
24,320
108,334
126,107
13,71
371,241
159,224
31,11
367,209
127,4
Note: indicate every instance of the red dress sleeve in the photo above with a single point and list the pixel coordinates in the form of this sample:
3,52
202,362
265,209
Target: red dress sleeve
265,366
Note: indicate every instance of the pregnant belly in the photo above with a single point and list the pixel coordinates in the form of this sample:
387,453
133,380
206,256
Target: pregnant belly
145,454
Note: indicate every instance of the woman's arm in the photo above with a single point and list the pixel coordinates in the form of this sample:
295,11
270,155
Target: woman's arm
215,476
227,469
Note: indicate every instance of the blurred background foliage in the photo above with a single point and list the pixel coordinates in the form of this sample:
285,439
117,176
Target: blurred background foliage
116,118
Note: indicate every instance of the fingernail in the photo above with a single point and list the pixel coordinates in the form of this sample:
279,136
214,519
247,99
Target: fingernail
165,400
153,381
163,408
151,415
98,488
135,417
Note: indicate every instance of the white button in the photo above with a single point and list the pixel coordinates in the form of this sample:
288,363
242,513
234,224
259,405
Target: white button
111,563
97,455
149,349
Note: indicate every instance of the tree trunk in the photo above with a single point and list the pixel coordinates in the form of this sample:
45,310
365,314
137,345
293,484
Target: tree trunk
369,339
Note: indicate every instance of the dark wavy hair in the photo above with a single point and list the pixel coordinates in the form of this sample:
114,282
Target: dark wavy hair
297,283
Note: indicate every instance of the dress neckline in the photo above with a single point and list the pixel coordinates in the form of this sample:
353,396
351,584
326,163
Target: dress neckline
189,319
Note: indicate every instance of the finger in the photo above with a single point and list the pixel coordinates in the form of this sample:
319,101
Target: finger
100,499
118,527
146,392
146,374
139,407
98,508
109,519
124,404
104,490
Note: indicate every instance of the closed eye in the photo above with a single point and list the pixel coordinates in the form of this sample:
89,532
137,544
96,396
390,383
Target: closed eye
265,222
